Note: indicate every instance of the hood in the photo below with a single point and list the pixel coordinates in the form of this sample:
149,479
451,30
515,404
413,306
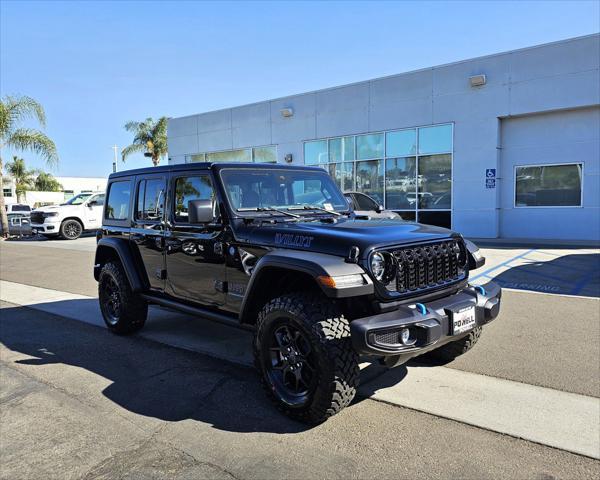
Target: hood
337,238
54,208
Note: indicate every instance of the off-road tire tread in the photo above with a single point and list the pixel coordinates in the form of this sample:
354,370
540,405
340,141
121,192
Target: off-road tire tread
135,310
455,349
338,361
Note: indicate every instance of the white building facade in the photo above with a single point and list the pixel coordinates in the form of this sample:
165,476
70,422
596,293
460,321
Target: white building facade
70,186
502,146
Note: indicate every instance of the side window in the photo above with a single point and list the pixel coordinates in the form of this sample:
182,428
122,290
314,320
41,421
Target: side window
117,207
365,203
150,200
191,188
98,200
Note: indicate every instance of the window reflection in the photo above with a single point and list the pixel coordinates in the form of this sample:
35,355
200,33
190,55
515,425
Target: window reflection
548,186
369,146
315,152
400,182
343,174
369,179
434,181
401,143
436,139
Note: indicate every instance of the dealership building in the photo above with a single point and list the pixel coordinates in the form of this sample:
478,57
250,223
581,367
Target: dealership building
501,146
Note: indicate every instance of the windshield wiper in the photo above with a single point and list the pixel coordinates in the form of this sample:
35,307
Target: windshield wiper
267,209
314,207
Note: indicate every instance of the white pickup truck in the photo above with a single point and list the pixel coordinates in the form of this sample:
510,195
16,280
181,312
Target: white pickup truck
69,220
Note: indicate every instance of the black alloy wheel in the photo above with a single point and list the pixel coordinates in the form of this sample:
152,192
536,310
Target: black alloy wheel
71,229
289,363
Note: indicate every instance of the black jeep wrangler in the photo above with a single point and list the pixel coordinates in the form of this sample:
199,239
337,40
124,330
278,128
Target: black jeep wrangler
277,249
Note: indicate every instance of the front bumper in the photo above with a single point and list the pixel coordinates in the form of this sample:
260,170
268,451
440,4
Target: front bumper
48,227
430,324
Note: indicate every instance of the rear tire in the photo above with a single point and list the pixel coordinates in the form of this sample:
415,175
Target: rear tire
124,312
451,350
304,355
71,229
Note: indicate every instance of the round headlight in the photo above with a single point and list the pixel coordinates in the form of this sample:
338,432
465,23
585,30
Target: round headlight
378,266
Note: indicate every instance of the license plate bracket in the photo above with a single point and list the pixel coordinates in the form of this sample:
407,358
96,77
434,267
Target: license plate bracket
463,319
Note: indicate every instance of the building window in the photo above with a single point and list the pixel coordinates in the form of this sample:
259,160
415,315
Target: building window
316,153
408,171
7,192
549,185
266,154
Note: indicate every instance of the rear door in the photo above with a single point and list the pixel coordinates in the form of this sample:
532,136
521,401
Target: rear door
148,228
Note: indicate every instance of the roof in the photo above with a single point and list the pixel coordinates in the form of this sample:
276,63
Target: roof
179,167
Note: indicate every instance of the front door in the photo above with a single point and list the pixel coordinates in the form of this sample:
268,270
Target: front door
147,234
195,256
93,211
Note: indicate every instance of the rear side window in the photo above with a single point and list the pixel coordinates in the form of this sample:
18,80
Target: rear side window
191,188
150,200
117,205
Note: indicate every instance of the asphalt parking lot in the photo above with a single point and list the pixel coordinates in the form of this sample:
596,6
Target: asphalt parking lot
180,400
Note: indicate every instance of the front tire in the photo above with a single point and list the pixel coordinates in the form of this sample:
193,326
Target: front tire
124,312
71,229
304,355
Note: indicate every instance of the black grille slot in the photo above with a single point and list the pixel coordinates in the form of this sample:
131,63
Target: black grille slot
386,338
429,266
37,217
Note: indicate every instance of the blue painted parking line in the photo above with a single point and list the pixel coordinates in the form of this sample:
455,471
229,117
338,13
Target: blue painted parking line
581,284
503,264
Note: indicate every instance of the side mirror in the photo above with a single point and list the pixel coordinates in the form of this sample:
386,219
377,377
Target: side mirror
92,203
380,209
200,211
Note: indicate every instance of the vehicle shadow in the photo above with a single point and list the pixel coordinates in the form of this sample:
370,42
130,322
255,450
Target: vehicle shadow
30,237
575,274
146,378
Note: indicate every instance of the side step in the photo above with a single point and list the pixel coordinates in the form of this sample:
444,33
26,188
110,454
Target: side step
197,311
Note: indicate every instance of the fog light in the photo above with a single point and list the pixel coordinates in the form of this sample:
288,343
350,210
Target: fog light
405,335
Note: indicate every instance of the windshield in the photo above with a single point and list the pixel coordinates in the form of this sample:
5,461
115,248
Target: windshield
262,188
78,199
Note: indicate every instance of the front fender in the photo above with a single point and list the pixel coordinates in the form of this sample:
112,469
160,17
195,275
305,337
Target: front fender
314,264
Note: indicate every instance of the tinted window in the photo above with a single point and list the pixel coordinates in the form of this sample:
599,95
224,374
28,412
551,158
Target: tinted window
365,203
21,208
191,188
548,186
151,199
117,207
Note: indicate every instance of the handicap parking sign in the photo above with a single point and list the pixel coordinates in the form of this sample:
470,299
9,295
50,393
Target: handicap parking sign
490,183
490,173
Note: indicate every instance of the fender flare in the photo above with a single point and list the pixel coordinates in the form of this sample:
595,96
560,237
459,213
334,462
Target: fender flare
121,248
313,264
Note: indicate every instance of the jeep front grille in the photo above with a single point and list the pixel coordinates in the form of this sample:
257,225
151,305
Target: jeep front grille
37,217
429,266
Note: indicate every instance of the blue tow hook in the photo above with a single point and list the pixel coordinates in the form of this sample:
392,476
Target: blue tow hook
480,289
422,308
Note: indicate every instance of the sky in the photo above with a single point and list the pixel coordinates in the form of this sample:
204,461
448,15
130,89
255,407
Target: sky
96,65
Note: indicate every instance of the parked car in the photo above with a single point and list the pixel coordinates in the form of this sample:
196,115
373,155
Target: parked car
319,287
365,206
69,220
19,223
18,208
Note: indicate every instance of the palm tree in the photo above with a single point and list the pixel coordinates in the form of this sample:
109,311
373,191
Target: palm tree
149,137
45,182
13,111
22,177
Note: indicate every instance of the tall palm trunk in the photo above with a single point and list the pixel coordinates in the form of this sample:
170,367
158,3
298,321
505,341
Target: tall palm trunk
3,215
